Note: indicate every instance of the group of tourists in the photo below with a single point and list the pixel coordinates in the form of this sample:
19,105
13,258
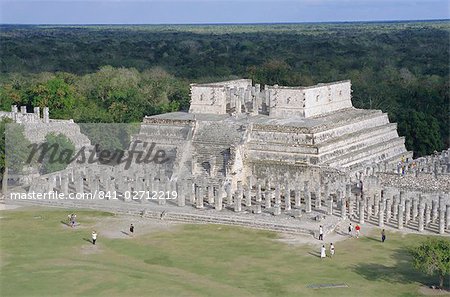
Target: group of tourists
323,253
71,218
72,222
356,234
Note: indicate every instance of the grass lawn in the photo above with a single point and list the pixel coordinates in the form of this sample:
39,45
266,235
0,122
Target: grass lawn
42,257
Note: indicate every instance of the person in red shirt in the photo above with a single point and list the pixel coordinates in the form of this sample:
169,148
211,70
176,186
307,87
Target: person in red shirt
357,228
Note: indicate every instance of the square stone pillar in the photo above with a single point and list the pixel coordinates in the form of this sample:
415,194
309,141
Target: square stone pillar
258,198
268,198
229,195
421,216
441,215
341,198
218,199
192,192
277,194
307,198
298,200
435,206
361,210
448,217
199,197
238,202
330,204
276,210
248,196
210,194
318,197
65,185
376,203
400,216
427,213
407,211
415,208
388,210
287,197
381,214
181,194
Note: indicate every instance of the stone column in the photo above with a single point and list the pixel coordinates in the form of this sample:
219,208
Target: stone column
381,214
388,210
348,198
298,201
448,217
318,198
181,194
376,203
267,197
400,215
229,195
210,194
441,215
79,183
427,214
361,210
421,215
307,197
415,208
248,196
192,192
258,193
435,206
287,197
407,211
238,201
65,185
199,197
343,204
330,204
46,115
396,202
369,207
218,199
277,194
276,210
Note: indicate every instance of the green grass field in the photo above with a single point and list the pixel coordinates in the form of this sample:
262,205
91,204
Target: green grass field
42,257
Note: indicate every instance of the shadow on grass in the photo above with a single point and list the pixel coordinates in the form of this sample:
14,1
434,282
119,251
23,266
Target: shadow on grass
65,223
126,233
315,254
401,271
88,240
373,239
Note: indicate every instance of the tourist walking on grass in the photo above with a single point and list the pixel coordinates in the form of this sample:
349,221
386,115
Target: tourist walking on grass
357,228
320,232
94,237
350,229
383,235
322,252
331,250
131,229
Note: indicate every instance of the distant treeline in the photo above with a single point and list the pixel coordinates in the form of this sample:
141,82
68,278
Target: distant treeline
400,68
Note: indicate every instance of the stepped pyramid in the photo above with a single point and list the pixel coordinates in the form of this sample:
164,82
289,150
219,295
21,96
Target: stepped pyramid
234,129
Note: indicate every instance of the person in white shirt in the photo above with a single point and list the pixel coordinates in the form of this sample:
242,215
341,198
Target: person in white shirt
322,252
94,237
320,232
331,250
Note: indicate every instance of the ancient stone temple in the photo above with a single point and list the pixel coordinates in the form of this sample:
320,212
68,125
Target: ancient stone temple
234,130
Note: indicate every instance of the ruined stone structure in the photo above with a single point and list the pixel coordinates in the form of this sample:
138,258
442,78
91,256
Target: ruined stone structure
37,126
279,158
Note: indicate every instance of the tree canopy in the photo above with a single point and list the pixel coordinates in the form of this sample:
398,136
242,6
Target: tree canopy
433,258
